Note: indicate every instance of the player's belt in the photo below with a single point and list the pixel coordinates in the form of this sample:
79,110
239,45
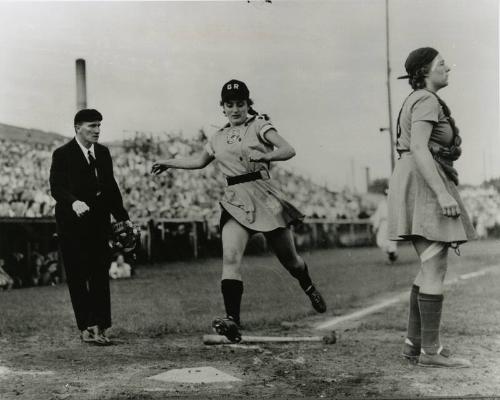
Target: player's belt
252,176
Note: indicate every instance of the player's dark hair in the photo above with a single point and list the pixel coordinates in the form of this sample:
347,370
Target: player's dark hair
249,103
417,80
251,110
87,115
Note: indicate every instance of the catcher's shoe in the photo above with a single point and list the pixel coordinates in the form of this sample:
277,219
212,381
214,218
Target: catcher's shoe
411,352
228,328
439,361
317,300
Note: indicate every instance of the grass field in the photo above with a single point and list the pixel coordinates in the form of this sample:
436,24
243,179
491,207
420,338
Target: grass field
160,314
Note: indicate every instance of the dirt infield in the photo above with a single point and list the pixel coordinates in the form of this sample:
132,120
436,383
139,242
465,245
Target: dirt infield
365,361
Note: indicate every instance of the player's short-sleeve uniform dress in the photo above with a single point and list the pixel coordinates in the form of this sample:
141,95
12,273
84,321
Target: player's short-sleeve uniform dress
413,207
257,205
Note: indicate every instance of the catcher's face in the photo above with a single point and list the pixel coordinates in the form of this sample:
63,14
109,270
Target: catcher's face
236,111
88,132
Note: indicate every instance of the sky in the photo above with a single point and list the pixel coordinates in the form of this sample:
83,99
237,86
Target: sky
318,68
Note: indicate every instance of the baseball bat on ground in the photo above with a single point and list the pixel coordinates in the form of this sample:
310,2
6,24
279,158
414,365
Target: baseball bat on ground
218,339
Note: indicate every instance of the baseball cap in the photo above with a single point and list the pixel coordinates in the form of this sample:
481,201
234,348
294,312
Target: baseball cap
235,90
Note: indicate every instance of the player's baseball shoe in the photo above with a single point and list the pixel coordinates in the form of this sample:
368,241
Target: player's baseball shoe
412,352
228,328
317,300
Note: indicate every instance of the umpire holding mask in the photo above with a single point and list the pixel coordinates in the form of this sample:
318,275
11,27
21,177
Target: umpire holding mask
86,194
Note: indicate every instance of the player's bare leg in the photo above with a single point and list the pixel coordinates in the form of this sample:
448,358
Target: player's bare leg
281,241
234,241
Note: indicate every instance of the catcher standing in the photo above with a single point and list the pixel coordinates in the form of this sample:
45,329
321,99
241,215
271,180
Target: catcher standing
86,193
251,203
424,204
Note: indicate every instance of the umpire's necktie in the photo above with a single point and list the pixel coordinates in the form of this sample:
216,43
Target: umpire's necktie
92,163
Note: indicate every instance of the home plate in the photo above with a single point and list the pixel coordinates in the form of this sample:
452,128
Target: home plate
195,375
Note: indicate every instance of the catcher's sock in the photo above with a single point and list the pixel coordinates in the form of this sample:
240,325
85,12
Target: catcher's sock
302,275
413,334
430,306
232,291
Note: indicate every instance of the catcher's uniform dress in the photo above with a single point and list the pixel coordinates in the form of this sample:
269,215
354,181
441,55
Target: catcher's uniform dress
257,205
413,207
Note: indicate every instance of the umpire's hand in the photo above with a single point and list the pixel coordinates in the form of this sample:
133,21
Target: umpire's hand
80,208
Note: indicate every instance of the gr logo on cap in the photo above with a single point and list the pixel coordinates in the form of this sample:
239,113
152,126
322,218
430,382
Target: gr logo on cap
235,90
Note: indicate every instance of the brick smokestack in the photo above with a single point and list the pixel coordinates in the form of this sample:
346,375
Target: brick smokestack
81,85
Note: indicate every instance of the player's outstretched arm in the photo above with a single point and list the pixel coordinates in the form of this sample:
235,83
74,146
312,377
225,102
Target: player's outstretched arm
194,162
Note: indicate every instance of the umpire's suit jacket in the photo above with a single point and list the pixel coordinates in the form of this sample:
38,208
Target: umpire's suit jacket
84,240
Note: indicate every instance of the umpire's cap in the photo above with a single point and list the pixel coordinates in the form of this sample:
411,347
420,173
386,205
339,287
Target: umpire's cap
87,115
234,90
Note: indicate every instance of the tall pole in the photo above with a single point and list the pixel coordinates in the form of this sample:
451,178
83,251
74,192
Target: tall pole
81,85
389,83
367,176
353,176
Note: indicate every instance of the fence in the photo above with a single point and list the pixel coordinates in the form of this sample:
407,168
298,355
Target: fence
174,239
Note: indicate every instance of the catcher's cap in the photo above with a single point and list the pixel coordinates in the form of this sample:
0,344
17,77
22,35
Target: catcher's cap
417,59
235,90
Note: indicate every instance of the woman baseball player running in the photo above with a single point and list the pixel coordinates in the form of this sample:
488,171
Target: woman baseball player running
424,205
251,203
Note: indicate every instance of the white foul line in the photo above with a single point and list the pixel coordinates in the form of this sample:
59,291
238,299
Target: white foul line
403,296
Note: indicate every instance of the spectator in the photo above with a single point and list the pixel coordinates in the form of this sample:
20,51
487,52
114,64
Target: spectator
119,268
6,282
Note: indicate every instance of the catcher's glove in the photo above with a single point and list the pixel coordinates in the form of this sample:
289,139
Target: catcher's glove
125,236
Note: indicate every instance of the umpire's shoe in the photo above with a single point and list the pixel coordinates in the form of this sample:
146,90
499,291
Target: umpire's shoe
87,336
93,335
227,327
317,300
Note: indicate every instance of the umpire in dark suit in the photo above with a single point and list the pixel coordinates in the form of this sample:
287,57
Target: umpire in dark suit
86,194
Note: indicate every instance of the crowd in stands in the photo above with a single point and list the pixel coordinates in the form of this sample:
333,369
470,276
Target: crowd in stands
176,194
483,205
24,189
40,270
181,194
195,194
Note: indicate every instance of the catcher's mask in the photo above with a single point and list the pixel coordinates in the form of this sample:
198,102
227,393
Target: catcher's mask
125,236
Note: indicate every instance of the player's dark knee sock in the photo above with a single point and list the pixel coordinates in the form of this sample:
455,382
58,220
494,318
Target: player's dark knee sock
232,291
430,306
414,334
302,275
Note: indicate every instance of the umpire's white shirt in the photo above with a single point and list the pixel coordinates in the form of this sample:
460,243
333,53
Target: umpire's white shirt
85,150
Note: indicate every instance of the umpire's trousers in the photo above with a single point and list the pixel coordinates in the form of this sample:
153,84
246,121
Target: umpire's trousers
86,261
